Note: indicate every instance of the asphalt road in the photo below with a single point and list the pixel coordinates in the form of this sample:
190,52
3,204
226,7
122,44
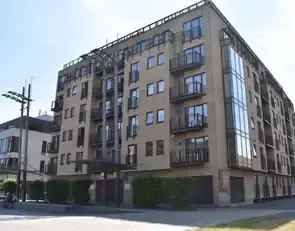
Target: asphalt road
146,220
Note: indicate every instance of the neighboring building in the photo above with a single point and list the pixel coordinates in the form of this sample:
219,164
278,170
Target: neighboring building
39,136
194,101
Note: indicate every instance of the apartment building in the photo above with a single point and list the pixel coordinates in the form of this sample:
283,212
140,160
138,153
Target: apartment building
39,135
193,100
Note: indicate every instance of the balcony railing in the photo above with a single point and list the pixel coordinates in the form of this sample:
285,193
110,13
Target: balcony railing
134,76
189,157
57,106
181,92
184,62
181,124
52,148
132,103
131,161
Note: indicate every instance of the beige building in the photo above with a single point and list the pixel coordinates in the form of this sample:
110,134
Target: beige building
193,100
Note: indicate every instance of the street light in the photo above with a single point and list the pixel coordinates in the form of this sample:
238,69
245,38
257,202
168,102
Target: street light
23,100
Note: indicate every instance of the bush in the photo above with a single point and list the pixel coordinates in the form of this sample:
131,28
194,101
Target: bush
9,185
80,191
149,192
58,191
1,186
36,190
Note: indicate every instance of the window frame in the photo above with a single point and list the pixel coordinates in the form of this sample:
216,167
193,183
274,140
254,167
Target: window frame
146,118
151,62
157,147
147,89
151,148
158,111
158,82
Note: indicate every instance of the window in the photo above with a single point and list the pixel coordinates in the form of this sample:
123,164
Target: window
149,118
79,156
161,59
69,92
109,84
42,166
252,123
149,148
150,88
194,54
134,73
160,86
66,113
193,29
68,158
74,90
108,106
62,159
44,146
84,92
70,135
160,116
160,147
82,114
196,115
254,150
195,84
151,62
131,158
81,135
132,126
133,100
72,112
64,136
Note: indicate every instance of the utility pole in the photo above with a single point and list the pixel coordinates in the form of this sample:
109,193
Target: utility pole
23,100
26,146
18,180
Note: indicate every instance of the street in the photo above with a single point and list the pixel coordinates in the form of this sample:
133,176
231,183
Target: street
143,220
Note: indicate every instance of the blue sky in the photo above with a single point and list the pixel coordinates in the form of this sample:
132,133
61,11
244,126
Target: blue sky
38,37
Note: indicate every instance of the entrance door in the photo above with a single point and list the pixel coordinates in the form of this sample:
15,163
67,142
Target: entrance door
237,190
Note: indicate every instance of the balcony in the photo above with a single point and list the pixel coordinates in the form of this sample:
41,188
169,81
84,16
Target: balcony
134,76
184,62
181,124
57,106
189,157
132,131
181,93
131,162
109,113
133,103
264,95
52,148
96,115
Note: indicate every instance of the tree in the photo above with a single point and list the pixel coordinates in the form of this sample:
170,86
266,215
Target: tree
9,185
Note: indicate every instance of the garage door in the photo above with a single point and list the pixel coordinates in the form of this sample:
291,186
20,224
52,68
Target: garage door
237,190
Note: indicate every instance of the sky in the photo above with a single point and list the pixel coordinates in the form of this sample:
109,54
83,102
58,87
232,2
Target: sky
38,37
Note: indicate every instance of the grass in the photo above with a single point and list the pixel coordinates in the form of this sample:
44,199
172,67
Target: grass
271,223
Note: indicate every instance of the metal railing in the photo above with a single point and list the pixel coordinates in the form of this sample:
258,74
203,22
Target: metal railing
182,124
188,157
182,92
184,62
